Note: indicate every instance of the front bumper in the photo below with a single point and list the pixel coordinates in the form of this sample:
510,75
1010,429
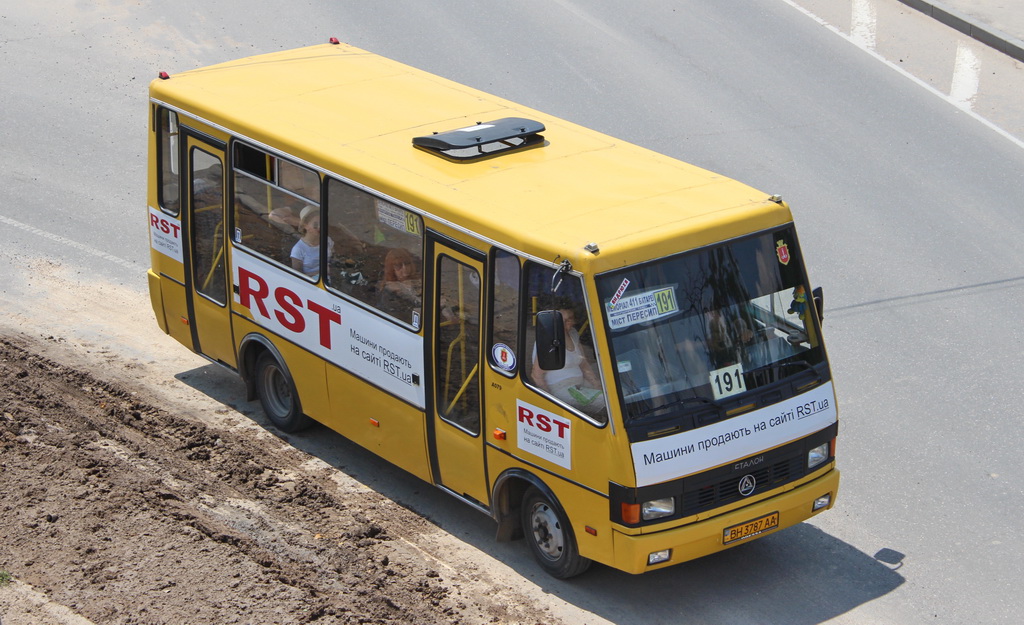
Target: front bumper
702,538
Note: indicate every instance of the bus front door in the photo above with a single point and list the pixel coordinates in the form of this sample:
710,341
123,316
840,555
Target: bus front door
457,447
206,259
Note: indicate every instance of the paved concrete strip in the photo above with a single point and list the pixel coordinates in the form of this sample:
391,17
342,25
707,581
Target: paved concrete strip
988,35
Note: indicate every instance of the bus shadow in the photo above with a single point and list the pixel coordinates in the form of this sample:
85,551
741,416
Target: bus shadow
801,576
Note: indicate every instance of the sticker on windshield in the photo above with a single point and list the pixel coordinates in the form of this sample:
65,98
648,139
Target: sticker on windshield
618,293
642,307
783,251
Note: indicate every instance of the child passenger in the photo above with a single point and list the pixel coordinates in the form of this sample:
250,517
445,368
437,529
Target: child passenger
306,252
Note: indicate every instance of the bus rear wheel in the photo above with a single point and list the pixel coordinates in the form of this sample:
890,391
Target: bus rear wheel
278,396
550,536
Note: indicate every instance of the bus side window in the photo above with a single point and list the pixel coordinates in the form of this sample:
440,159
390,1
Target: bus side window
576,384
378,252
504,312
267,208
169,155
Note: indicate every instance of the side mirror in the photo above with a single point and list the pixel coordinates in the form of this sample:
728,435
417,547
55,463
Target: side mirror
550,340
819,303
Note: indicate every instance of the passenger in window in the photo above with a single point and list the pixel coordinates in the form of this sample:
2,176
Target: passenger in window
576,383
306,252
402,288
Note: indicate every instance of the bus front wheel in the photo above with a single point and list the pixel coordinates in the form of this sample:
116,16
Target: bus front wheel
550,536
277,394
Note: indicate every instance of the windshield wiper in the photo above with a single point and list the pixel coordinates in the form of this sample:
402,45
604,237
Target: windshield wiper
776,369
677,402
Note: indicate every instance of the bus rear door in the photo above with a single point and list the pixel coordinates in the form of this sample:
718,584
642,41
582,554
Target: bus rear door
206,262
457,448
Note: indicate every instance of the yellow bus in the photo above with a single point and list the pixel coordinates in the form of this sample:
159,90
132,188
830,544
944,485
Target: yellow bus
615,354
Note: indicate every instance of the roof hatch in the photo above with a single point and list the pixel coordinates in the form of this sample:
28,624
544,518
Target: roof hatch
483,140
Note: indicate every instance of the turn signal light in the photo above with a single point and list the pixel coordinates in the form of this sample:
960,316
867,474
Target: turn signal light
631,513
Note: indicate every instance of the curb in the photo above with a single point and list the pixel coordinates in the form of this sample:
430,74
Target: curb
967,25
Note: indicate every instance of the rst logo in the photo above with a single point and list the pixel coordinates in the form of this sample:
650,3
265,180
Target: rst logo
286,305
165,225
165,234
545,435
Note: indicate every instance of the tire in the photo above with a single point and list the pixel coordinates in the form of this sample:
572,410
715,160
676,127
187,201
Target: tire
276,390
550,536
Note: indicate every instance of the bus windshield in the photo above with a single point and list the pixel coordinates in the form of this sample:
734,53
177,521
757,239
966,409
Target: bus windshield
693,334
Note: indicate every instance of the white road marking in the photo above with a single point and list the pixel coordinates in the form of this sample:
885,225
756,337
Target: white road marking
966,75
69,243
1018,142
863,23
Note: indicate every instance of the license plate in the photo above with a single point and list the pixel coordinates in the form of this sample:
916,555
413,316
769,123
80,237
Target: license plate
750,528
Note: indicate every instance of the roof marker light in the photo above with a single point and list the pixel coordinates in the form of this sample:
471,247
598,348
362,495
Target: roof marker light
164,75
334,40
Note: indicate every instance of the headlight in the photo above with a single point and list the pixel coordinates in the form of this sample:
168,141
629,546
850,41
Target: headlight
817,455
658,508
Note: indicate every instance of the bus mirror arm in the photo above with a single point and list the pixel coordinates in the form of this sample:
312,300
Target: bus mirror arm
550,340
556,280
819,303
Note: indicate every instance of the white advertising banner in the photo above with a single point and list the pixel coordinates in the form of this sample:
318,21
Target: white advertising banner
544,435
165,234
358,341
686,453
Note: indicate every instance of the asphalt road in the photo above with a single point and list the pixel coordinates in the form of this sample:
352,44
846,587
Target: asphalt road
908,204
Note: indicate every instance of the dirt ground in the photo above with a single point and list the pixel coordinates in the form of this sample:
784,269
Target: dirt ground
124,502
126,513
